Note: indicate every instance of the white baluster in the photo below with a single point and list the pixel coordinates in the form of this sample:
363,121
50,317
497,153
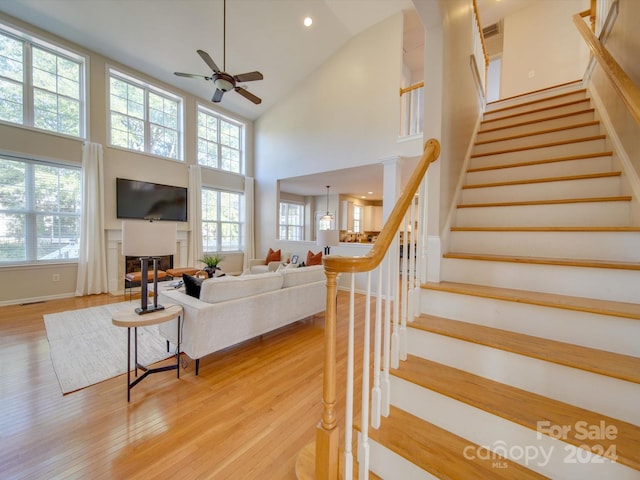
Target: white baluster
363,450
377,352
348,428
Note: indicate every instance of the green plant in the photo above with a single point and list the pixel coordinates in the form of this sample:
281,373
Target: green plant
211,261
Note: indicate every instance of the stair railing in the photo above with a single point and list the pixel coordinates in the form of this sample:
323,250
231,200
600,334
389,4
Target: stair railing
400,277
622,84
412,109
480,54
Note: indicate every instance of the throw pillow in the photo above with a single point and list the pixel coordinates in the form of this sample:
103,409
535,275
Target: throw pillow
314,258
273,256
192,285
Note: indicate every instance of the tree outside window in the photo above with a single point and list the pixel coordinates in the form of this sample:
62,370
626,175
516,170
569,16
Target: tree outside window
220,142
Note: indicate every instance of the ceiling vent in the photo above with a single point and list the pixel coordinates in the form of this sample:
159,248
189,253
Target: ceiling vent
491,30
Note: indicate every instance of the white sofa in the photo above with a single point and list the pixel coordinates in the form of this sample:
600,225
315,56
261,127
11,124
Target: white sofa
233,309
260,265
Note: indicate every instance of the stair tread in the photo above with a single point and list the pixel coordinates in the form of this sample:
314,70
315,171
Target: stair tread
551,107
541,162
554,300
577,83
439,451
622,198
538,100
567,262
538,120
538,132
564,178
506,401
540,145
616,365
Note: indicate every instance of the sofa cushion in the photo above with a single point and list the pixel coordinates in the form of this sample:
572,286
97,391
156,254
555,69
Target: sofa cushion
314,258
299,276
221,289
273,256
192,285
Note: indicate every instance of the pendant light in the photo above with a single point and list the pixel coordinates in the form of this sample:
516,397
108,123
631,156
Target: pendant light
327,217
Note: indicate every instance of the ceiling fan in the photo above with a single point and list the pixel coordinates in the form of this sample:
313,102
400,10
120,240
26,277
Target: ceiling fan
220,78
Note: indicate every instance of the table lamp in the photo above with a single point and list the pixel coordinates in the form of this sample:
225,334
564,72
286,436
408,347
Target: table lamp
148,240
328,239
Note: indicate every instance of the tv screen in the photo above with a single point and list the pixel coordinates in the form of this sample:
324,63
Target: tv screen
150,201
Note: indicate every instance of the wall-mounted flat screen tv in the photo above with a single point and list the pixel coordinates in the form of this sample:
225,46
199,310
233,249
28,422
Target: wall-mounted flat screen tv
150,201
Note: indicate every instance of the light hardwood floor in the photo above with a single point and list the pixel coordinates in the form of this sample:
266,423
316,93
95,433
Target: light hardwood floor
252,408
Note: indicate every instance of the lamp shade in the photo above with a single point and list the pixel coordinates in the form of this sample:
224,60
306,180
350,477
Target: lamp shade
328,238
148,239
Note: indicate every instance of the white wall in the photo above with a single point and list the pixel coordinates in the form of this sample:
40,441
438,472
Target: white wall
540,45
345,114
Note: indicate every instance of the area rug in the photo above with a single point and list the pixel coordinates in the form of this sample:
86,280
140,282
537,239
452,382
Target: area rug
86,348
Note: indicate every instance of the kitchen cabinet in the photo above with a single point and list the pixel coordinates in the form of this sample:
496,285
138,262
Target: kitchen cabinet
346,215
372,218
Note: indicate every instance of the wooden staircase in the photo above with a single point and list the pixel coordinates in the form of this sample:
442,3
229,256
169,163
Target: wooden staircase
525,361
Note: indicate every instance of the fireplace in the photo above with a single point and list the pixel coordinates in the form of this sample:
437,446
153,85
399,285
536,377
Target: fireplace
132,264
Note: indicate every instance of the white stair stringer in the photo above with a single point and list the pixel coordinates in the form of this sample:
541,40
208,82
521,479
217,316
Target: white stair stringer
616,246
612,284
547,456
577,387
593,330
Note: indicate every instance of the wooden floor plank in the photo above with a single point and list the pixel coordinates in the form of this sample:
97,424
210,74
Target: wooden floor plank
506,401
616,365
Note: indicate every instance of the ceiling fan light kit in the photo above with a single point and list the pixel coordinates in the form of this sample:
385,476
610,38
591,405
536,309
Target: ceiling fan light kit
223,81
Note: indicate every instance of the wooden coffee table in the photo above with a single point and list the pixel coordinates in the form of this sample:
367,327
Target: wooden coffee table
130,319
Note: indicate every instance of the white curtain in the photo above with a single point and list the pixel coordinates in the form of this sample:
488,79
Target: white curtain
249,245
195,215
92,261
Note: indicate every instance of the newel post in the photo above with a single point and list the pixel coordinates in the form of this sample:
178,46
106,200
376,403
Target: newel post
327,432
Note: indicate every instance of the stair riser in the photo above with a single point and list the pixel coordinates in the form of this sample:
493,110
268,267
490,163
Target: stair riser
601,283
539,153
526,106
487,430
507,120
581,166
584,188
530,97
532,140
603,332
611,246
606,214
562,121
570,385
391,466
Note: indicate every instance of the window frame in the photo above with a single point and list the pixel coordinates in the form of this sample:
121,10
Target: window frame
147,88
287,225
31,213
29,40
201,108
239,247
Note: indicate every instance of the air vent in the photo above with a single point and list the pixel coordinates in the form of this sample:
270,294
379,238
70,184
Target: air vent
491,30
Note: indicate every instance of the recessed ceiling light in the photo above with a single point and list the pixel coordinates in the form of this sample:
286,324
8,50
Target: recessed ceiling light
369,193
308,21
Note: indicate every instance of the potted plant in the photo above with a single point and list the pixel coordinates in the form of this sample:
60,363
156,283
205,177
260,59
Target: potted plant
211,262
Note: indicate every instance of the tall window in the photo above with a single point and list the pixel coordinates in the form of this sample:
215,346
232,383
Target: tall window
41,85
357,219
222,221
39,211
291,221
219,142
144,118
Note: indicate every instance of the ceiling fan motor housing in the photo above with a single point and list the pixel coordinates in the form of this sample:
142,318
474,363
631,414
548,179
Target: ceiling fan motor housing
224,81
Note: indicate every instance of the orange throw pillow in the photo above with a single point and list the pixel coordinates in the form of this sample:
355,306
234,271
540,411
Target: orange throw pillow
314,259
273,256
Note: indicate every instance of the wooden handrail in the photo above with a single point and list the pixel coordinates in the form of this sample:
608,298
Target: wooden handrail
415,86
625,87
484,47
365,263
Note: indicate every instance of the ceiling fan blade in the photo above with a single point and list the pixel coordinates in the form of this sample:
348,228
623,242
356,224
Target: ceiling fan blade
208,60
248,95
248,77
191,75
217,96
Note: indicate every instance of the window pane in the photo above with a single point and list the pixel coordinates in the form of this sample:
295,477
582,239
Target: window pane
11,54
12,185
12,238
219,143
11,109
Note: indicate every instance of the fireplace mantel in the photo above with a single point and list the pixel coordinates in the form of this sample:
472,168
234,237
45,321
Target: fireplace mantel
116,261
